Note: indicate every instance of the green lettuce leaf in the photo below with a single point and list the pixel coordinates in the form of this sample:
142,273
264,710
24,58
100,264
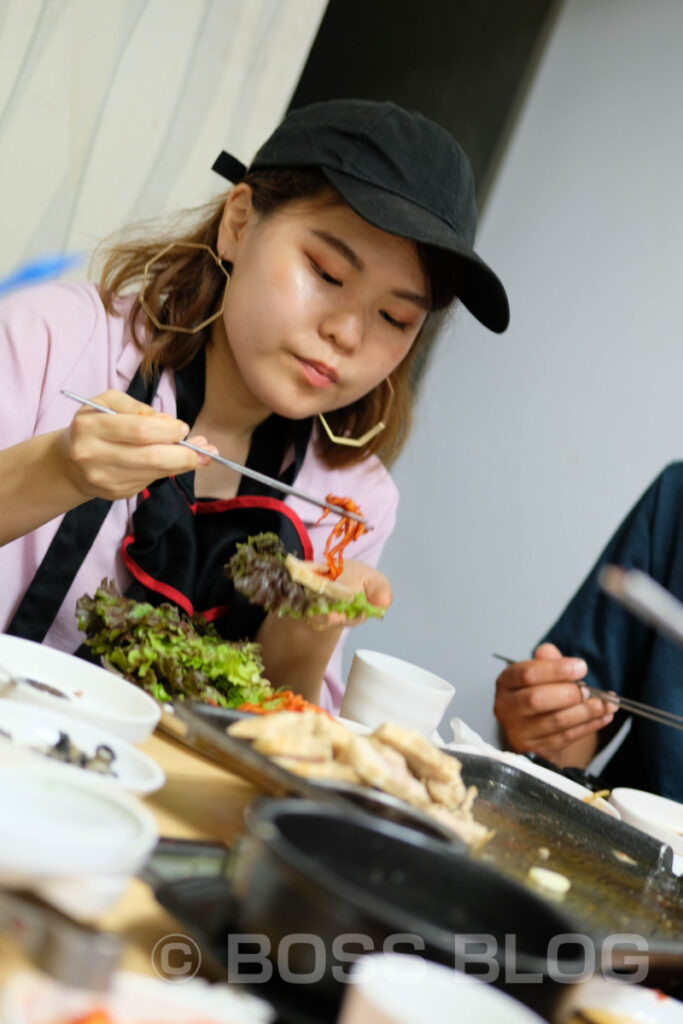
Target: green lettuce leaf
169,654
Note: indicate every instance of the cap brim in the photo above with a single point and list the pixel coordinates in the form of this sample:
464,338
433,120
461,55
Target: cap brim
478,288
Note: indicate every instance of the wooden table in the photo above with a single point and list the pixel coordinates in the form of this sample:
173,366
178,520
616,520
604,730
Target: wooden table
200,800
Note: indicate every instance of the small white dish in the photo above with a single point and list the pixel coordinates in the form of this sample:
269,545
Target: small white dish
94,695
31,998
600,999
30,727
400,988
657,815
382,688
64,825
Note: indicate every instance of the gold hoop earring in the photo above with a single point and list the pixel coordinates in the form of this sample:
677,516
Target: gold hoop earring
170,327
358,442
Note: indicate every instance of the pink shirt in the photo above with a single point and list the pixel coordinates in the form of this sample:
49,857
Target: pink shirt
59,336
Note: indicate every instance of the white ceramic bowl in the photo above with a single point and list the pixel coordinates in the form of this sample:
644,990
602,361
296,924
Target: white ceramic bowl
395,988
94,695
84,898
60,825
381,688
656,815
30,727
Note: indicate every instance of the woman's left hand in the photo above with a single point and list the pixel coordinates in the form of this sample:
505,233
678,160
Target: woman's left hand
360,578
296,651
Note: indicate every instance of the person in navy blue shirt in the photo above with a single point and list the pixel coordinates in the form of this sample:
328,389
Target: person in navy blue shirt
540,703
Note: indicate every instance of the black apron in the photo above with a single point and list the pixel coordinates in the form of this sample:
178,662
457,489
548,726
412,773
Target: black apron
178,544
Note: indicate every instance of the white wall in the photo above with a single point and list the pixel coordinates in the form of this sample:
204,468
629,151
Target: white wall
530,447
114,110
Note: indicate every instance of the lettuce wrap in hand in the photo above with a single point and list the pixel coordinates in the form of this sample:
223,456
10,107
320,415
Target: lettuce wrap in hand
267,575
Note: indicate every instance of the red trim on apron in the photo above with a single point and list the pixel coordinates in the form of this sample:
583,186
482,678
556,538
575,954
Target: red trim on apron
216,613
254,500
177,596
148,581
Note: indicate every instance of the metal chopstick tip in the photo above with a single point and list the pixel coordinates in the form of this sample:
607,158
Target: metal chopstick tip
502,657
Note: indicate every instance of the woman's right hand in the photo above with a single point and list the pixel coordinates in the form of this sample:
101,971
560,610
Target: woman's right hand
115,457
542,707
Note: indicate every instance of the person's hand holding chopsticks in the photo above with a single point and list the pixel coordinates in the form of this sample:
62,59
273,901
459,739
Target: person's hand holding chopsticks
96,455
541,708
115,457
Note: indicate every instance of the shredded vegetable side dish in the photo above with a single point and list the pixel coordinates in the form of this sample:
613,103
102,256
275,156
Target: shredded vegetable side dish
283,700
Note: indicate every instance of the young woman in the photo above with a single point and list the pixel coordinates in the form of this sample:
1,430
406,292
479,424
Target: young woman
282,329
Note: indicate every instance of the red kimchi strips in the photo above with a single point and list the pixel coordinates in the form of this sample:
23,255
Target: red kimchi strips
343,533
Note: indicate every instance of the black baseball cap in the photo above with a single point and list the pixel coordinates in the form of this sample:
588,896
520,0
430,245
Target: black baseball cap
399,171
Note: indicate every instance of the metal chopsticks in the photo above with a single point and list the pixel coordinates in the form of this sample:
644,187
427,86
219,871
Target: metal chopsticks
253,474
633,707
636,708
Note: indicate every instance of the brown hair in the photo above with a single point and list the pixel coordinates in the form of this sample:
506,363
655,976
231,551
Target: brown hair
184,286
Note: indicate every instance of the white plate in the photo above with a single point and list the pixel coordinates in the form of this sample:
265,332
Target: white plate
31,727
357,727
61,825
133,999
95,695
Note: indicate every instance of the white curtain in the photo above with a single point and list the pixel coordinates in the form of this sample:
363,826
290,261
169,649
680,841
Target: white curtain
114,110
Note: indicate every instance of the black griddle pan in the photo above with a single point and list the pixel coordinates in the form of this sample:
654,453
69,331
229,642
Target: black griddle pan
340,883
621,878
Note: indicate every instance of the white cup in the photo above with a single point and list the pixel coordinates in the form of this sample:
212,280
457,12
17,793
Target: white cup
381,688
399,988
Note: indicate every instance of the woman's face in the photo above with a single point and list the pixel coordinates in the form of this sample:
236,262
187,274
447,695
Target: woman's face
321,306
